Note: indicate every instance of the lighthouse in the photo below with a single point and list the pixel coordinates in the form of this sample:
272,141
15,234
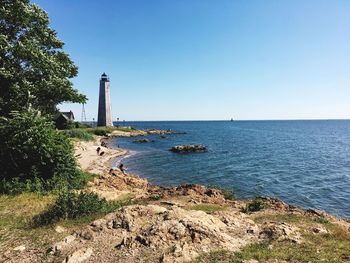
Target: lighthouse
104,103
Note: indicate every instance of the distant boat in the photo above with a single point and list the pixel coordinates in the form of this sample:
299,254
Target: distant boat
231,119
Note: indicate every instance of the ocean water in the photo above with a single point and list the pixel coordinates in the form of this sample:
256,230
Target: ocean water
305,163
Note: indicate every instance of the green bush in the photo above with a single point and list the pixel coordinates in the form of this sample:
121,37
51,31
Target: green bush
38,185
79,134
70,205
155,197
321,220
255,205
229,194
80,125
33,155
100,132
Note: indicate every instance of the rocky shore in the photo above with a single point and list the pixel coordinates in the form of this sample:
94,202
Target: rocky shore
188,223
178,224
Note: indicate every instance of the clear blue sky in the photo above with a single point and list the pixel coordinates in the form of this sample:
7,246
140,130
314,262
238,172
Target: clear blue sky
201,59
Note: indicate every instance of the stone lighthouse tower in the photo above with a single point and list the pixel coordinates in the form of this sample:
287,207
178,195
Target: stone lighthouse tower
104,103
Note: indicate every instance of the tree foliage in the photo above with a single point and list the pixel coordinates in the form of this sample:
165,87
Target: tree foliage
32,61
31,149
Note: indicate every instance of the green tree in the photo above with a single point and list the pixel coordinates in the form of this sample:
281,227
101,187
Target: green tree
32,61
31,150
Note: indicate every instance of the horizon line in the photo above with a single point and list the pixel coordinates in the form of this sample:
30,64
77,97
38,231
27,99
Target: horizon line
226,120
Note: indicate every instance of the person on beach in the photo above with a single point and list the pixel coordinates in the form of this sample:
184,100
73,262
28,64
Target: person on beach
122,168
98,150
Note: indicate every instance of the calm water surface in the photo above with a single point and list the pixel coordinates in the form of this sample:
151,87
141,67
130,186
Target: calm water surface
305,163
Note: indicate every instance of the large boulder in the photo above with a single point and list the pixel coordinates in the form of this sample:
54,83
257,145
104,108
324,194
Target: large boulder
189,149
141,141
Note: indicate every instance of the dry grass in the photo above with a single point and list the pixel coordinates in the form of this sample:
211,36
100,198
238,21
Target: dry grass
208,208
16,213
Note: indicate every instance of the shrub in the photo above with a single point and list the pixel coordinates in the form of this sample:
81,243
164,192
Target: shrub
228,194
256,204
40,186
104,131
80,125
79,134
100,132
155,197
321,220
70,205
15,186
34,155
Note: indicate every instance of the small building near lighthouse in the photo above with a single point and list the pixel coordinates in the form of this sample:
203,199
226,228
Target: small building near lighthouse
64,120
104,103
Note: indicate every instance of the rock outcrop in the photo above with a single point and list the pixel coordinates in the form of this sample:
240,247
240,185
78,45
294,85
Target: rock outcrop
142,141
117,185
164,234
189,149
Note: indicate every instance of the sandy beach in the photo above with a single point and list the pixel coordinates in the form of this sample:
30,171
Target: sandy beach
110,185
92,162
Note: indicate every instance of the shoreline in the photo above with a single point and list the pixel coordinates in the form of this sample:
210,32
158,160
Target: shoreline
185,223
90,161
181,223
118,154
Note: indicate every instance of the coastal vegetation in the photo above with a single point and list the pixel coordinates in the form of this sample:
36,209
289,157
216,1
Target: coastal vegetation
79,134
71,205
36,157
21,215
87,133
35,77
208,208
255,205
38,164
104,131
16,212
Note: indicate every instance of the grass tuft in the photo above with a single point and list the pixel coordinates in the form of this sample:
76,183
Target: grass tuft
321,220
208,208
255,205
79,134
155,197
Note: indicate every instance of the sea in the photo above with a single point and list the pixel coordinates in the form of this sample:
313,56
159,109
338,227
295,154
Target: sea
305,163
